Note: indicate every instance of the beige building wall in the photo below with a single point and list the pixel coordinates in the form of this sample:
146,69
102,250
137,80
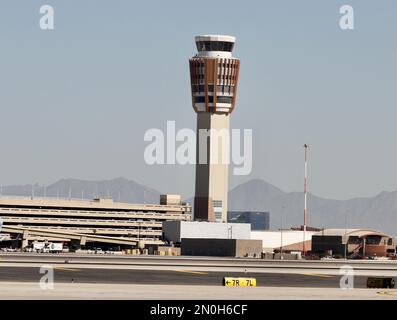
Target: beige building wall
248,248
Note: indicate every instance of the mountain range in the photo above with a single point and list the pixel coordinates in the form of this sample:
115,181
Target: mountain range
379,212
119,189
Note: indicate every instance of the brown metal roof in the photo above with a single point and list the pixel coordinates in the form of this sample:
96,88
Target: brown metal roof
352,232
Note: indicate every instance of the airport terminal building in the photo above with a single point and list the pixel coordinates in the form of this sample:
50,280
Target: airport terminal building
87,223
353,243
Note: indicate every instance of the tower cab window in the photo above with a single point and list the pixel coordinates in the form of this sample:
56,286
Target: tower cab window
214,46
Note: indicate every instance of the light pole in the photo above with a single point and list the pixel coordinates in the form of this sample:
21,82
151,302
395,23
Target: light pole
281,248
363,246
281,233
305,202
139,234
346,240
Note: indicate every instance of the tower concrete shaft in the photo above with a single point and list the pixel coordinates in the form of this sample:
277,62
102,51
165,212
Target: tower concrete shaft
214,78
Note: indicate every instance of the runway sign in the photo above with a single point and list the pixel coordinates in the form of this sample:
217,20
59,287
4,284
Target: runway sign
373,282
239,282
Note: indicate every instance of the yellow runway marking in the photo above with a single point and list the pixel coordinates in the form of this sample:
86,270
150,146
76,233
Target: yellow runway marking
192,272
387,293
318,275
66,269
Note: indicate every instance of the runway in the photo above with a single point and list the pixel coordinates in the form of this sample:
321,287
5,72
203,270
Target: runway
153,277
179,277
186,270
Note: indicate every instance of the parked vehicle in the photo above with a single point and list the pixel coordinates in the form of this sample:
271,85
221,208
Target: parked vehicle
99,251
47,247
55,247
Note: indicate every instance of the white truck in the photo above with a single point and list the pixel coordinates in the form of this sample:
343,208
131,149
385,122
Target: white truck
45,247
55,247
38,246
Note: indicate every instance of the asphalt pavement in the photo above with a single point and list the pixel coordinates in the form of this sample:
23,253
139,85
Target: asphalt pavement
177,277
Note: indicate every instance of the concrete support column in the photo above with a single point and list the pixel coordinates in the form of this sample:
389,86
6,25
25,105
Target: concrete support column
83,240
25,240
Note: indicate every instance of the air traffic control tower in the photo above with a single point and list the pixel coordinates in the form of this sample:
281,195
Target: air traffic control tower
214,77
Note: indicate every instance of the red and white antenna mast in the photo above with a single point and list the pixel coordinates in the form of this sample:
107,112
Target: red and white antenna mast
305,208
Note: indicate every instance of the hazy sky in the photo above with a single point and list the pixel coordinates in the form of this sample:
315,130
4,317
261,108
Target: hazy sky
76,101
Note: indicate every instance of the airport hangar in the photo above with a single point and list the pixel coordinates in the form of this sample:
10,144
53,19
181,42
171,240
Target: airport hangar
353,243
87,223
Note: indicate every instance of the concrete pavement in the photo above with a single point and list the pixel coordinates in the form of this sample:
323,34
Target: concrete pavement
147,277
17,290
